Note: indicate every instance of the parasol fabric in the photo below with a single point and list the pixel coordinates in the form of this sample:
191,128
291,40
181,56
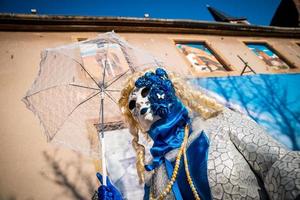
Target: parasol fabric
72,79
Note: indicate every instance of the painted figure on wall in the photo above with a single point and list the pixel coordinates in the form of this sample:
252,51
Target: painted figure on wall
201,150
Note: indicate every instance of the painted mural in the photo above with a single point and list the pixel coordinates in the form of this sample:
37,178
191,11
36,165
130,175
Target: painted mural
268,56
200,57
271,100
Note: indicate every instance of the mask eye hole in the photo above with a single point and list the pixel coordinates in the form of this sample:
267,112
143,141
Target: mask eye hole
145,92
132,104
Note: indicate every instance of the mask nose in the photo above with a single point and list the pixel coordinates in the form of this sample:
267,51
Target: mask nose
143,111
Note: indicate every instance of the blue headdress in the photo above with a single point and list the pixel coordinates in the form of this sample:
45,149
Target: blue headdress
161,94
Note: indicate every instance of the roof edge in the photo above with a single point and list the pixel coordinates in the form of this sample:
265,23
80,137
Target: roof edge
29,22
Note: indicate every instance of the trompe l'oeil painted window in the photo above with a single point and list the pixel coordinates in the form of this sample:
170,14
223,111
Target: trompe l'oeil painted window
202,59
266,54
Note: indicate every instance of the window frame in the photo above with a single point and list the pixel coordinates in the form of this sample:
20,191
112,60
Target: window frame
225,64
290,64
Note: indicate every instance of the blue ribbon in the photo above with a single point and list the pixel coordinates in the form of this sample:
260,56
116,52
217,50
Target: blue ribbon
167,134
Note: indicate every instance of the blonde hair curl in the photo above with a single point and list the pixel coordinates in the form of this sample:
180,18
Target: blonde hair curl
194,100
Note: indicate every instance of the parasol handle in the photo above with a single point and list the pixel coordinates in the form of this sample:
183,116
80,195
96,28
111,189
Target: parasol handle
104,174
101,136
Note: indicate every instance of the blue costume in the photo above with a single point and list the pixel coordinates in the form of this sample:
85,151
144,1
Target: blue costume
168,134
243,160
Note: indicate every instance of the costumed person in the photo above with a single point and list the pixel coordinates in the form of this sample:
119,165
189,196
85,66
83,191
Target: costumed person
201,150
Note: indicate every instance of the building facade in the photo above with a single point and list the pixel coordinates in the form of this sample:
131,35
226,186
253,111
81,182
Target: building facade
31,169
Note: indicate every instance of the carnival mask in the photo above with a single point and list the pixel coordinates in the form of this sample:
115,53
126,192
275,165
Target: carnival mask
140,108
152,98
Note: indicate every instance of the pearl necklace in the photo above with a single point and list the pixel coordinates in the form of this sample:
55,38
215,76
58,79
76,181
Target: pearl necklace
169,186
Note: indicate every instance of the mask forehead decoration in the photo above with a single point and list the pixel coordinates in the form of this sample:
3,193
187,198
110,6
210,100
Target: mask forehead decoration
160,91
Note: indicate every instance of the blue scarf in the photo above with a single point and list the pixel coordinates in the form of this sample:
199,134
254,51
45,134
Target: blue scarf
167,133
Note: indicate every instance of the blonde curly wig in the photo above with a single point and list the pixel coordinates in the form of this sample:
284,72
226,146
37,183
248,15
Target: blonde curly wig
194,100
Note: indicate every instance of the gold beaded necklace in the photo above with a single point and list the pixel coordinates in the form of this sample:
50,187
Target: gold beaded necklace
182,150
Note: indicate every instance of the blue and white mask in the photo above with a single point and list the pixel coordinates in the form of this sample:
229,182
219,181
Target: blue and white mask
152,98
140,108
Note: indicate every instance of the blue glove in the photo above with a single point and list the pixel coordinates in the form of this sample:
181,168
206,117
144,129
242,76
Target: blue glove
107,192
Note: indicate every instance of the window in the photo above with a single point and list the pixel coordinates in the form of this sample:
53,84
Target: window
265,53
201,57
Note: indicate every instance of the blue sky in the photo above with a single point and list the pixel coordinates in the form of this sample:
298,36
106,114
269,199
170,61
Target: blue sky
257,11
